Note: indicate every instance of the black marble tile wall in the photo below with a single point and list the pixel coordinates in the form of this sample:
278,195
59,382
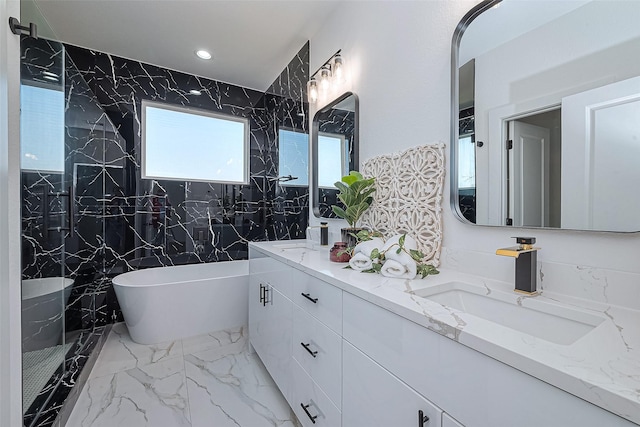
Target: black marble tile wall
122,222
175,222
467,203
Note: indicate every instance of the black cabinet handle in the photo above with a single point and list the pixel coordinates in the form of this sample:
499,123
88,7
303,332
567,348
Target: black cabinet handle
308,296
306,411
266,296
261,292
422,418
306,347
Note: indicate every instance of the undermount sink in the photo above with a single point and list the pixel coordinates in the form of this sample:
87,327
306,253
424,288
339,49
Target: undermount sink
283,246
548,321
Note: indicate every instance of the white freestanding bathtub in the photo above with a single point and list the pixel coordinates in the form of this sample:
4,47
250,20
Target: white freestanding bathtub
169,303
43,304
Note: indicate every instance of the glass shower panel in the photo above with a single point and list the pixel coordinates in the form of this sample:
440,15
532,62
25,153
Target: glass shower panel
46,219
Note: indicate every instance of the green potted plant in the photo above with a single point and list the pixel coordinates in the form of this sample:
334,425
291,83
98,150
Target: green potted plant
355,193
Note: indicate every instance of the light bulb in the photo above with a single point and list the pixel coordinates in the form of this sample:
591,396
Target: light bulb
338,69
325,75
313,91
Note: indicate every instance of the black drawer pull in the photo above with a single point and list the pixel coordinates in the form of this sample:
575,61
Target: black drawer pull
261,292
306,347
308,296
422,418
306,411
266,296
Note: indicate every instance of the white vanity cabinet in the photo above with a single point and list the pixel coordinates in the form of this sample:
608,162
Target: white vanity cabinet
373,397
270,319
474,389
343,361
295,322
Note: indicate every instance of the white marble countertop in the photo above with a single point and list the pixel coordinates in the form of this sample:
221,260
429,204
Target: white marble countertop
602,367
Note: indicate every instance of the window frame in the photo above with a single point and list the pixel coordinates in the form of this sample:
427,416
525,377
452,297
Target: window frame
199,112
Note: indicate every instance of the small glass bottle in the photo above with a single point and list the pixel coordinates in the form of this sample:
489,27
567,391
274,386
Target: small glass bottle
324,234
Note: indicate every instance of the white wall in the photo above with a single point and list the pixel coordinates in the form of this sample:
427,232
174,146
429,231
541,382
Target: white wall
399,54
10,301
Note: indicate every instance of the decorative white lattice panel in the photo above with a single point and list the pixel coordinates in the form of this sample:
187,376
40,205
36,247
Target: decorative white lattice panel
408,197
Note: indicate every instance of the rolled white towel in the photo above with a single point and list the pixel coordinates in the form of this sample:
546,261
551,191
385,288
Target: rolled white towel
367,246
403,257
395,269
409,243
360,262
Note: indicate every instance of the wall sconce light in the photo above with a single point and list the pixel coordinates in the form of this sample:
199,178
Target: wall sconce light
325,77
330,74
338,68
312,90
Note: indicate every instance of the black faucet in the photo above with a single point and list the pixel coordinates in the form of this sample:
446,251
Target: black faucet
526,261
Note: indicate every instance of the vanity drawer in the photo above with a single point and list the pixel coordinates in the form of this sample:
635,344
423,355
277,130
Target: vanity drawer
319,351
320,299
312,407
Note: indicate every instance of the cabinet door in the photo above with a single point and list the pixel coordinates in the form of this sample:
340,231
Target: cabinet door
374,397
270,331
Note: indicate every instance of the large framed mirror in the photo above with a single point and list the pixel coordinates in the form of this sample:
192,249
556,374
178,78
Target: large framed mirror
334,151
545,125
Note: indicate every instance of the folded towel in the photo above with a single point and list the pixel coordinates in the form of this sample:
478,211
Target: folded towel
360,262
395,269
368,246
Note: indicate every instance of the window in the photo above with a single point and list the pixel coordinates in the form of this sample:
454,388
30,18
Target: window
466,162
41,129
186,144
293,157
331,159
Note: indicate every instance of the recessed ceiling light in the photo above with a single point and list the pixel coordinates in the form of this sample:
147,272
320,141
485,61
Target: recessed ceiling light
195,92
203,54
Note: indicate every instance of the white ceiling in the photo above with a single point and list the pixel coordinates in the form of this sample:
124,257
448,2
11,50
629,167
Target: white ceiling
251,40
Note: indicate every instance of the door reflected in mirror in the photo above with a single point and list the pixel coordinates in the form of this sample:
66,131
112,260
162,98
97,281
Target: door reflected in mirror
334,151
547,115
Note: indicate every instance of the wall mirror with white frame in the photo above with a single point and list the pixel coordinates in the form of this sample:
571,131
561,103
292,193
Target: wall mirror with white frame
334,151
546,115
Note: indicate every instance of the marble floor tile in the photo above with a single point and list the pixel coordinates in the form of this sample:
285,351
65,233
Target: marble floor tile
152,395
121,353
226,340
233,389
210,380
